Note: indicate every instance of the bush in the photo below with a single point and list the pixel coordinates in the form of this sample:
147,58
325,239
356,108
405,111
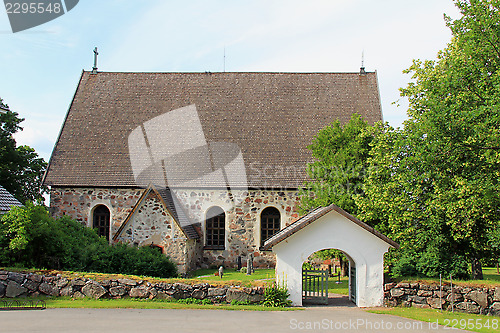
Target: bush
307,265
276,296
434,260
30,237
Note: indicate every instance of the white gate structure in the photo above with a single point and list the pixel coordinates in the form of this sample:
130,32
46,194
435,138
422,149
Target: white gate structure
333,228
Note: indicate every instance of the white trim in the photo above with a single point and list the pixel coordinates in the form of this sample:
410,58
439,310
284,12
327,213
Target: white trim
226,227
90,220
258,230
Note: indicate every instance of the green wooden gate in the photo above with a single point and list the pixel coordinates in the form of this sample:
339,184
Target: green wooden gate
315,286
352,282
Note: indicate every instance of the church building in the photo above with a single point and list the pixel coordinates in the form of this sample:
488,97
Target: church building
202,166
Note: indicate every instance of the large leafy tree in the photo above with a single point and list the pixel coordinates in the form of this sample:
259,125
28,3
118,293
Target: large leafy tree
436,187
21,169
338,172
340,165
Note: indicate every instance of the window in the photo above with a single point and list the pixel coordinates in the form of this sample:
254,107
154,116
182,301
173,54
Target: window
215,229
156,248
101,221
270,223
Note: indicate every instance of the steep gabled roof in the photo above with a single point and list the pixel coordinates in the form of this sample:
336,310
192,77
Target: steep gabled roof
271,117
313,216
7,200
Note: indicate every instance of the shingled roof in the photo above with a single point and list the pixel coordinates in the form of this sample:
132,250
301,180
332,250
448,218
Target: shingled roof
313,216
271,117
7,200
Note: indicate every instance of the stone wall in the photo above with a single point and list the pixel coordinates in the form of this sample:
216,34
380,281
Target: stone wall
153,225
461,299
242,211
32,285
78,203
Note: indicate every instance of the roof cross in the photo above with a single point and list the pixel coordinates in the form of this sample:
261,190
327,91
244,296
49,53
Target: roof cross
94,69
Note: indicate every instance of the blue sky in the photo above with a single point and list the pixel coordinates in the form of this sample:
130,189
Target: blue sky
40,67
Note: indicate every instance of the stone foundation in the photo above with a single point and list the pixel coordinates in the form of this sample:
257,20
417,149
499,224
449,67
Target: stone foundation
475,300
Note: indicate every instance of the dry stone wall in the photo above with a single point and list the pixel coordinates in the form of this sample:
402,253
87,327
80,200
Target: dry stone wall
13,284
459,298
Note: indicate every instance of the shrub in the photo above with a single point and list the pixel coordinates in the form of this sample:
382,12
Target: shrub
277,296
30,237
307,265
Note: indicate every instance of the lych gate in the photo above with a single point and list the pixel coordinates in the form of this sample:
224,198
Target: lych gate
315,286
332,228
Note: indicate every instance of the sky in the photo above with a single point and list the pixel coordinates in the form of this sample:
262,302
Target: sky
40,67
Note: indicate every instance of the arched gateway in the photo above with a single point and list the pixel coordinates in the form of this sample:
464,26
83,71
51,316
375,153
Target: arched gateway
332,227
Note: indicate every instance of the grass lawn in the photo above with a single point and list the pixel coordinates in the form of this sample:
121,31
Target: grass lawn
469,322
132,303
490,273
338,288
263,275
149,304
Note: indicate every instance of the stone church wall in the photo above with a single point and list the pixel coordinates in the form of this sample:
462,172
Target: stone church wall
78,203
242,209
153,224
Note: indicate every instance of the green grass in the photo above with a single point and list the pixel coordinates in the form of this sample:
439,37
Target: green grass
132,303
233,275
490,273
341,288
469,322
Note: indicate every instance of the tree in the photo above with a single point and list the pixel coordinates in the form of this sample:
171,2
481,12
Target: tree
436,185
341,161
337,175
21,170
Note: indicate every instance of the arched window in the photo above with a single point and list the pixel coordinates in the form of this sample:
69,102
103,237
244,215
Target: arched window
156,248
101,221
270,223
215,229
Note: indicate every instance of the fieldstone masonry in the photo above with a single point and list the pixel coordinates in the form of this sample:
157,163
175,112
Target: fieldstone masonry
32,285
462,299
151,223
78,203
